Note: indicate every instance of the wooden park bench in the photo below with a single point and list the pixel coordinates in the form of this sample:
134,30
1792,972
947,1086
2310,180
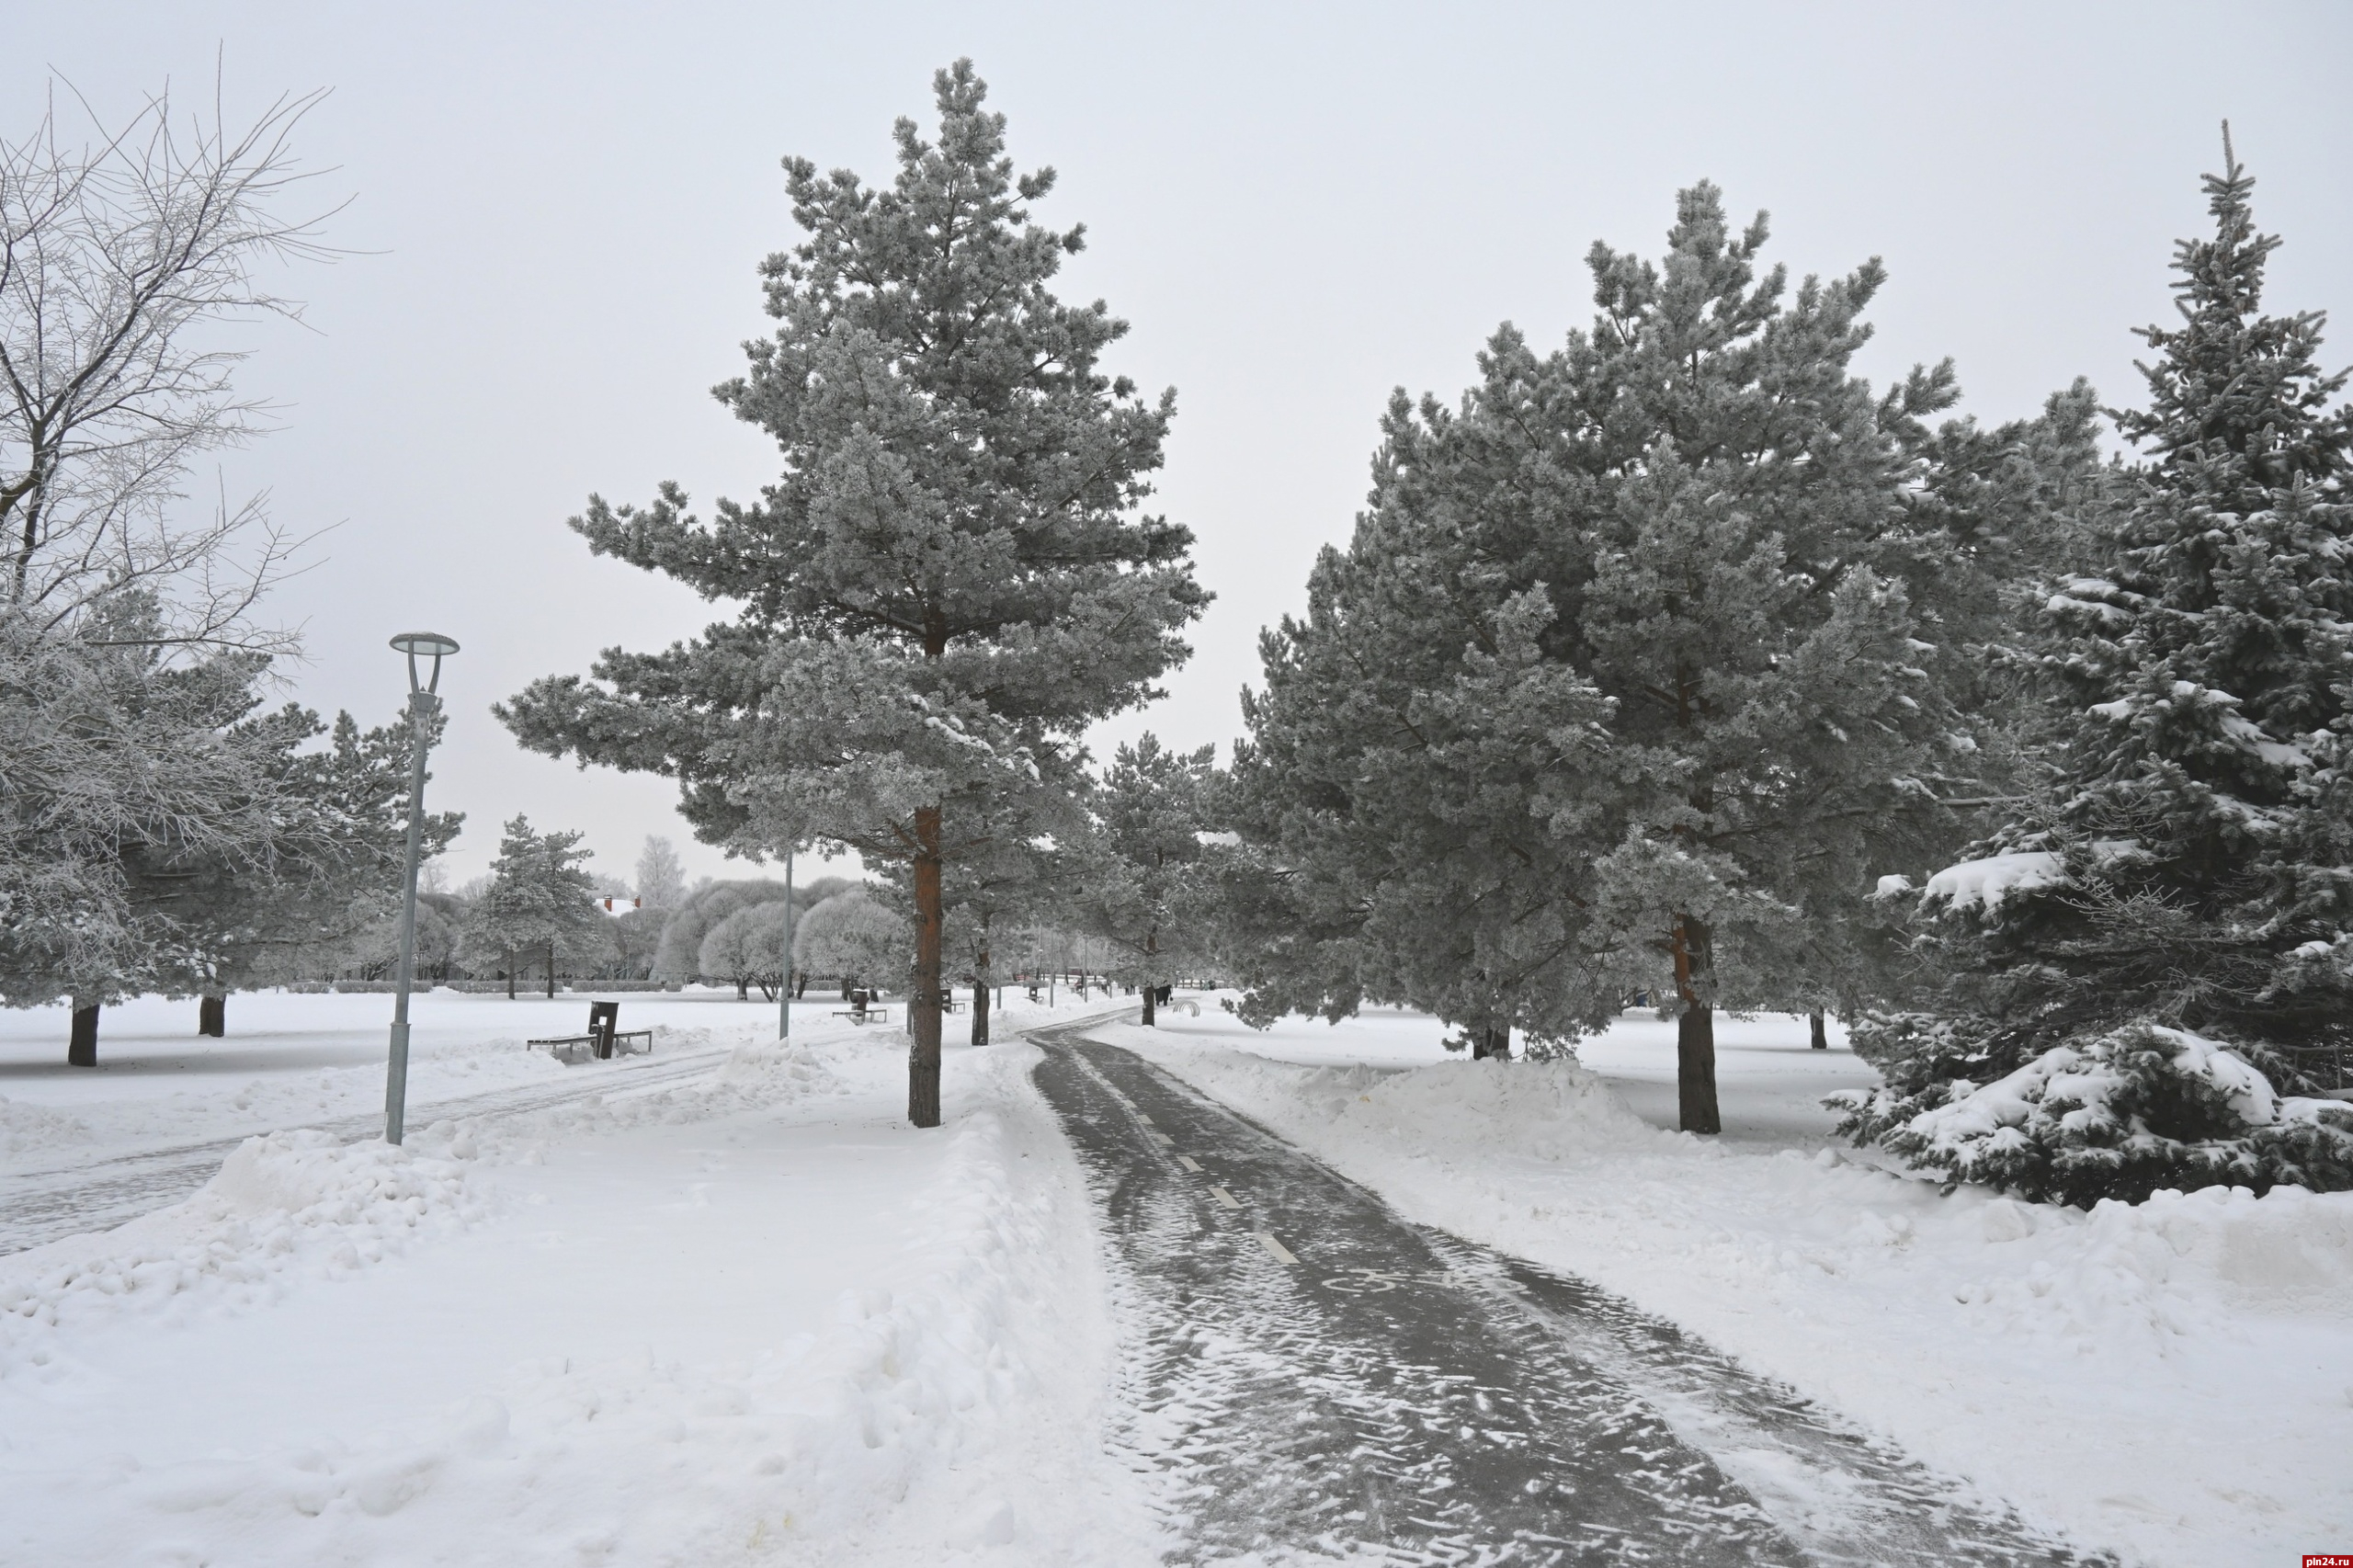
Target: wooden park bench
604,1040
862,1010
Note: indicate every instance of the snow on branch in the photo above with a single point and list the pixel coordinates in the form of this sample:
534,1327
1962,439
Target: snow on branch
1984,884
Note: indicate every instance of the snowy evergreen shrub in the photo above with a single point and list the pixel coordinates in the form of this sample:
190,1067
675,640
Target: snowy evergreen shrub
2125,1114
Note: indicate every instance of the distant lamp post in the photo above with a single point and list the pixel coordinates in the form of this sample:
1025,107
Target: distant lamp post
784,1007
422,707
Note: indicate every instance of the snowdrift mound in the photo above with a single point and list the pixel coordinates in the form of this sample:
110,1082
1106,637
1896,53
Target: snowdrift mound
774,1064
288,1202
27,1129
1545,1108
317,1177
914,1378
2179,1267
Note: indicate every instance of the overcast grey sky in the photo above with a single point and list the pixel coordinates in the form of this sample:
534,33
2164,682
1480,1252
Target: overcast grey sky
1297,208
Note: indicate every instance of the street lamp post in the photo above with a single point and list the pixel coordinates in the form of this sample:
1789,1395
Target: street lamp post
423,704
784,1004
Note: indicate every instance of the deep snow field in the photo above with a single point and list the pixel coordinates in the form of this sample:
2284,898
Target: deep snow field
742,1313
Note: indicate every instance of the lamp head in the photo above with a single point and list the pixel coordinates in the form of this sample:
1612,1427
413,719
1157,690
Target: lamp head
429,644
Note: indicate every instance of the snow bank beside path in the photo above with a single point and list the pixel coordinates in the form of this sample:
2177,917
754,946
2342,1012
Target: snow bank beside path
838,1341
288,1202
306,1203
2173,1381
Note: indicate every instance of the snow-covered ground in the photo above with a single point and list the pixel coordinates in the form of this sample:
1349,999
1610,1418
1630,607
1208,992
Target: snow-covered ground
746,1316
2173,1381
743,1313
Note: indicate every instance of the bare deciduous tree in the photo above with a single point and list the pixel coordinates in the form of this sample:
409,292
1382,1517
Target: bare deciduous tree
129,656
118,254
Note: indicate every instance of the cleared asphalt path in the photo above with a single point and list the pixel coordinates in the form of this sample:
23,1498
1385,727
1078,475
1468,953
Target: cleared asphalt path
1318,1378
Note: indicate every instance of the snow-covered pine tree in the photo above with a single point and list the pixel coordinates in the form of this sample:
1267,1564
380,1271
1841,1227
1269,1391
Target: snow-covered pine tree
949,582
2190,868
329,871
1775,740
1148,813
540,902
1386,795
1619,683
124,777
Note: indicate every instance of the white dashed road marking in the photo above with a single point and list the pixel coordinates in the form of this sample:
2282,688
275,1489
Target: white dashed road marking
1224,1196
1190,1162
1282,1254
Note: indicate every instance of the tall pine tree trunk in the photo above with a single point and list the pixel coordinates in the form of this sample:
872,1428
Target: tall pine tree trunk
1151,978
980,994
1695,1030
510,976
212,1015
1821,1036
1492,1042
82,1045
923,1008
551,971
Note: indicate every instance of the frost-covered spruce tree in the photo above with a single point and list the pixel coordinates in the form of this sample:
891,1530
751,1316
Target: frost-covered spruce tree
661,878
2188,876
949,580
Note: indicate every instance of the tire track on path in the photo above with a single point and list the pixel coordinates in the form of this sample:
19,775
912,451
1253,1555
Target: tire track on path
1313,1377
